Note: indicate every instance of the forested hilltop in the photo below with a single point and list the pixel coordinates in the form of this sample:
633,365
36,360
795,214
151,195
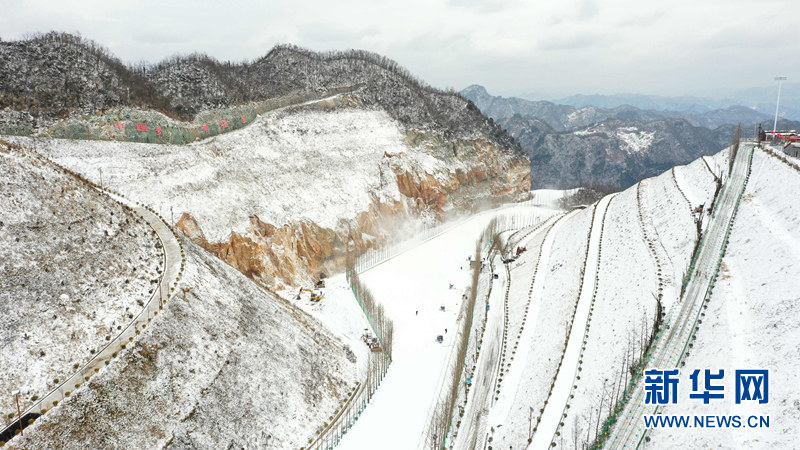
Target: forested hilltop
51,76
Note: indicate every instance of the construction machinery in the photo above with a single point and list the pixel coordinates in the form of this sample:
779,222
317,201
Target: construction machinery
372,342
315,296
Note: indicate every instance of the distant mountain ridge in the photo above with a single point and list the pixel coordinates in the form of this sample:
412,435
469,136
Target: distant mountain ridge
566,117
761,99
615,147
569,147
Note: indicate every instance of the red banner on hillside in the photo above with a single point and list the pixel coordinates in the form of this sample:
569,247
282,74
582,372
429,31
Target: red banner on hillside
205,128
223,123
244,120
141,127
158,131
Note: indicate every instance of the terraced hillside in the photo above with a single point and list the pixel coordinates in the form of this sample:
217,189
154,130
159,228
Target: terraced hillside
750,320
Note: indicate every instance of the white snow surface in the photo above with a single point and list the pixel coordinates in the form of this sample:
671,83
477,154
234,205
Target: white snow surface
75,266
321,166
562,388
751,321
412,287
543,340
636,142
231,366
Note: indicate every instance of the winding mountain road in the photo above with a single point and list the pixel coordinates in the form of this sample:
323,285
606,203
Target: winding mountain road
167,285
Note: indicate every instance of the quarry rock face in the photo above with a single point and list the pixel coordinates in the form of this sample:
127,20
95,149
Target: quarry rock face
300,251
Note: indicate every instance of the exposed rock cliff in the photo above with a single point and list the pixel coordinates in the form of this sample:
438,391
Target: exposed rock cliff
283,199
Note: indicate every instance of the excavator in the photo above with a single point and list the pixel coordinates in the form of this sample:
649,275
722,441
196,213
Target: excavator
315,296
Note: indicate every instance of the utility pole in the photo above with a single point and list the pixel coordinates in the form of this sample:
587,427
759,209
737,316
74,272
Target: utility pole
780,80
19,412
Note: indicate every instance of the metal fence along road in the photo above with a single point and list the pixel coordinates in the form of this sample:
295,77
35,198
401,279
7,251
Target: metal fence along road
174,261
680,326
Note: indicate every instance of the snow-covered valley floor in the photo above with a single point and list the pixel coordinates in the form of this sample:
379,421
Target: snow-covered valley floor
413,287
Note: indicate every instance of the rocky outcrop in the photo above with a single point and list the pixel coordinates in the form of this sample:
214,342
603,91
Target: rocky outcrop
299,251
488,173
467,173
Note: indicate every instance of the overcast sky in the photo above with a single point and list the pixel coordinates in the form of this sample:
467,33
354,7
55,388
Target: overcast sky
550,47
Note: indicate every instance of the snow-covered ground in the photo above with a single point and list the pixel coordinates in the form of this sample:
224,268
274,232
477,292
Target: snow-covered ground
569,374
230,366
751,321
682,319
696,181
628,286
626,298
75,268
635,141
541,344
295,162
550,197
412,287
340,313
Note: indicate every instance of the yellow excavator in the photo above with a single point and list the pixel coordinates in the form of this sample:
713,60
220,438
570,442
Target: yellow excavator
315,296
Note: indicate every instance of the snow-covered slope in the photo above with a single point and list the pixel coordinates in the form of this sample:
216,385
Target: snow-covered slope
648,236
282,198
284,168
751,321
231,365
537,358
75,266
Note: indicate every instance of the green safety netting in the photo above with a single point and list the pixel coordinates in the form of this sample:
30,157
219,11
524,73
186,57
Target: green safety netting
154,127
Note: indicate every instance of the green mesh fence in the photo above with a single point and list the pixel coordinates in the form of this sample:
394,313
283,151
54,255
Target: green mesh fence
153,127
15,130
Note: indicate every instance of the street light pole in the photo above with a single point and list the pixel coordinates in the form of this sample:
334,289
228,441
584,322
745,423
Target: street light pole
780,80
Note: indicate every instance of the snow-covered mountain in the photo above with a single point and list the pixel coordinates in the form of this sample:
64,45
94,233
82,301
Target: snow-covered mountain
601,293
614,153
564,116
323,175
230,366
56,75
284,198
761,99
612,147
77,267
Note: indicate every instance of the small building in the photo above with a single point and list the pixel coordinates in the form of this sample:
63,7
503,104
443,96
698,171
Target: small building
782,135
